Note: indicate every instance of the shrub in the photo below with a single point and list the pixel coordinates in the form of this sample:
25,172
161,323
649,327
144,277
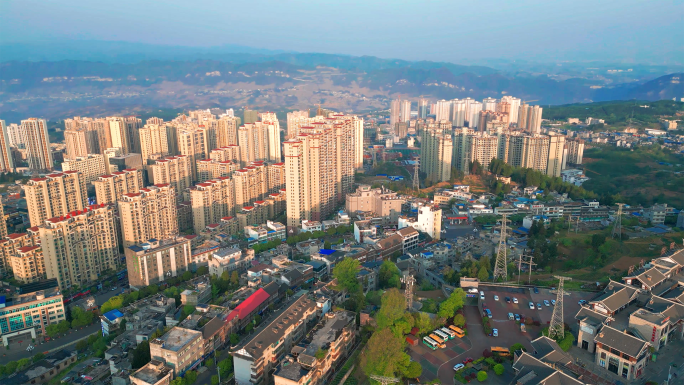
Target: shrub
498,369
482,376
486,353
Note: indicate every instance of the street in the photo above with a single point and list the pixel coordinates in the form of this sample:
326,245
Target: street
100,297
18,351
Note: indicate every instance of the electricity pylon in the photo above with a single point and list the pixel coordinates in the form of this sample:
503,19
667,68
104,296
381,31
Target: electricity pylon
416,182
384,380
500,267
557,327
409,281
617,229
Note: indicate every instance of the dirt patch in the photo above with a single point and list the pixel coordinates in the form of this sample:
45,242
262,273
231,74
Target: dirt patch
436,295
622,264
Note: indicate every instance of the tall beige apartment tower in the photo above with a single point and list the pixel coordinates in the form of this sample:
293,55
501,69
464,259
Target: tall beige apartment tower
119,134
110,188
194,142
528,151
133,124
226,130
575,151
259,141
554,164
54,195
296,119
222,154
154,143
77,247
530,118
211,201
174,170
6,161
437,155
319,168
37,143
251,184
211,169
148,213
91,166
276,177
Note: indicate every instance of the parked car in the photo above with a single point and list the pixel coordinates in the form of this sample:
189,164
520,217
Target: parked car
582,302
538,306
510,316
547,303
515,300
496,298
482,295
508,299
458,367
517,317
489,313
495,332
553,302
531,305
467,360
536,290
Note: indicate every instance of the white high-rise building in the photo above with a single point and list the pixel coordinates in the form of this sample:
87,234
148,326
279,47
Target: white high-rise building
489,104
474,113
515,107
443,112
459,113
6,162
422,108
35,137
16,139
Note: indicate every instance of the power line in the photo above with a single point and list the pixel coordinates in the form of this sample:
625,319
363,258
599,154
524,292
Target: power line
500,269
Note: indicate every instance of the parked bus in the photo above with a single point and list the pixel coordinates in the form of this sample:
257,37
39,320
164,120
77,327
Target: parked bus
440,342
500,351
442,335
448,332
430,343
459,332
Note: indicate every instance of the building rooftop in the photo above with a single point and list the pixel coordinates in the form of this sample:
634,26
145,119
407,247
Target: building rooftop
152,372
176,338
621,341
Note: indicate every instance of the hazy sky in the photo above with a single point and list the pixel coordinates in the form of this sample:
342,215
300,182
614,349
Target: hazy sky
455,30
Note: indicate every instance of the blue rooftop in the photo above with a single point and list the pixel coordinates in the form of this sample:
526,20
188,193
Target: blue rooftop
112,315
326,251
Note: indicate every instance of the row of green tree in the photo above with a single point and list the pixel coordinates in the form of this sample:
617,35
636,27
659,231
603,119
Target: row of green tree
16,366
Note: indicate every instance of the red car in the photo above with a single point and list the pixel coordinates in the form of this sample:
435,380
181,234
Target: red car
467,360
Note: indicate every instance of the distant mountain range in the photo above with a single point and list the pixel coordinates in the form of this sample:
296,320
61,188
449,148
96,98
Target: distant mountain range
71,76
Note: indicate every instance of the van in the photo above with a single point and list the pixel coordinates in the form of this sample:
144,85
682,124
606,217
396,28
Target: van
482,295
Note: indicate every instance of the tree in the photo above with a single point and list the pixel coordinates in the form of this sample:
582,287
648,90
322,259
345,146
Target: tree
345,273
597,240
186,276
190,377
214,380
482,376
186,311
515,347
234,339
388,270
226,366
459,320
393,306
483,275
202,270
38,356
455,302
498,369
81,345
384,355
141,355
414,370
423,322
115,302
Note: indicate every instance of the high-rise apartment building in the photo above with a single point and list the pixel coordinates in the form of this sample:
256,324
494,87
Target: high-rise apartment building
119,133
6,161
28,264
528,151
575,151
400,111
54,195
458,113
211,169
15,137
514,107
154,143
147,214
9,244
436,157
91,166
489,104
530,118
474,114
133,124
319,166
259,141
554,163
276,177
211,201
251,184
443,111
3,223
110,188
35,135
296,119
423,108
222,154
79,246
194,142
226,130
80,142
174,170
251,116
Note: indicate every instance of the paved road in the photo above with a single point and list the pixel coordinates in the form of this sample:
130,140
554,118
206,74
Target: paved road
18,351
100,297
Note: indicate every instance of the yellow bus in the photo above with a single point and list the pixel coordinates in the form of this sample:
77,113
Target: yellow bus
459,332
500,351
440,342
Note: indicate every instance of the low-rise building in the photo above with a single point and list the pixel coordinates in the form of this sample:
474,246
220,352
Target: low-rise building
429,221
229,260
181,349
409,239
155,372
621,353
364,231
157,260
383,203
30,312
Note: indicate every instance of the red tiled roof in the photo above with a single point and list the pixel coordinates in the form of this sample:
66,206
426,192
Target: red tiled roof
15,236
26,249
247,306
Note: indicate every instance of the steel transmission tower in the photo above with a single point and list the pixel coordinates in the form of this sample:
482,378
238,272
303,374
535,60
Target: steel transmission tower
384,380
557,327
500,267
409,281
617,229
416,181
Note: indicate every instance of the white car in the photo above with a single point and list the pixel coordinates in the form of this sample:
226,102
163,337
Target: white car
496,298
511,316
515,300
495,332
553,302
531,305
546,303
458,367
